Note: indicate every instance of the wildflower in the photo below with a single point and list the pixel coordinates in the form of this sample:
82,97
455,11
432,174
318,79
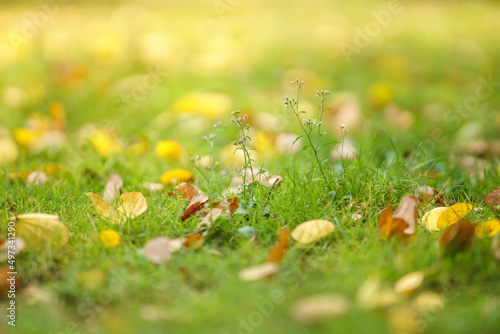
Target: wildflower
176,176
110,238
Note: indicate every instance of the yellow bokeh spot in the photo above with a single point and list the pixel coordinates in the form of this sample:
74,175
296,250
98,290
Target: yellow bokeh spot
25,137
210,105
110,238
177,176
488,228
380,94
169,149
106,143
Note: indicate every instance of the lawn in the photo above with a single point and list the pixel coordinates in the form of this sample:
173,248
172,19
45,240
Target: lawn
350,108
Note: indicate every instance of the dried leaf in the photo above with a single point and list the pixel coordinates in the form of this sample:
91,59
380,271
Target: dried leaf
130,205
229,204
279,250
429,194
194,241
40,230
101,206
318,308
488,228
188,190
390,226
429,302
457,238
16,246
492,200
430,219
409,283
312,230
210,217
258,272
453,214
407,211
113,188
36,178
159,250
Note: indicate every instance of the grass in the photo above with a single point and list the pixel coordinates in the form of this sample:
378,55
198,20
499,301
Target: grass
90,288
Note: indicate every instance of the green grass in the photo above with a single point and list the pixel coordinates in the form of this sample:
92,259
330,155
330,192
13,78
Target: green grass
428,70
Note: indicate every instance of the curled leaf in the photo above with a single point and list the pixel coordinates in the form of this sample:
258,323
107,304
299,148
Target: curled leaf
453,214
430,219
130,205
492,200
390,226
194,241
312,230
210,217
159,250
407,211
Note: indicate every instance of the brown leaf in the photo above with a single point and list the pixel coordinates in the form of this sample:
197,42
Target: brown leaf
188,191
390,226
429,194
279,250
407,211
210,217
492,200
194,241
112,188
196,196
458,238
228,204
495,247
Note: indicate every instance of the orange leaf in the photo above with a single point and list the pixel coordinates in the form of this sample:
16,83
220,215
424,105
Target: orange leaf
228,204
431,195
279,250
407,211
458,238
194,241
391,226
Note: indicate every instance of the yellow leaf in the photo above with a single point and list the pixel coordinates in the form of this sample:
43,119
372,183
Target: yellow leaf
453,214
430,219
40,230
110,238
132,204
407,284
312,230
488,228
101,206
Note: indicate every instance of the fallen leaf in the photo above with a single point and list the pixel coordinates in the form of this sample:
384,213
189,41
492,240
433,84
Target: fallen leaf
188,190
390,226
130,205
407,211
113,188
210,217
318,308
16,246
194,241
370,296
428,194
110,238
176,176
409,283
457,238
279,250
492,200
488,228
453,214
258,272
229,204
159,249
430,219
40,230
36,178
312,230
429,302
